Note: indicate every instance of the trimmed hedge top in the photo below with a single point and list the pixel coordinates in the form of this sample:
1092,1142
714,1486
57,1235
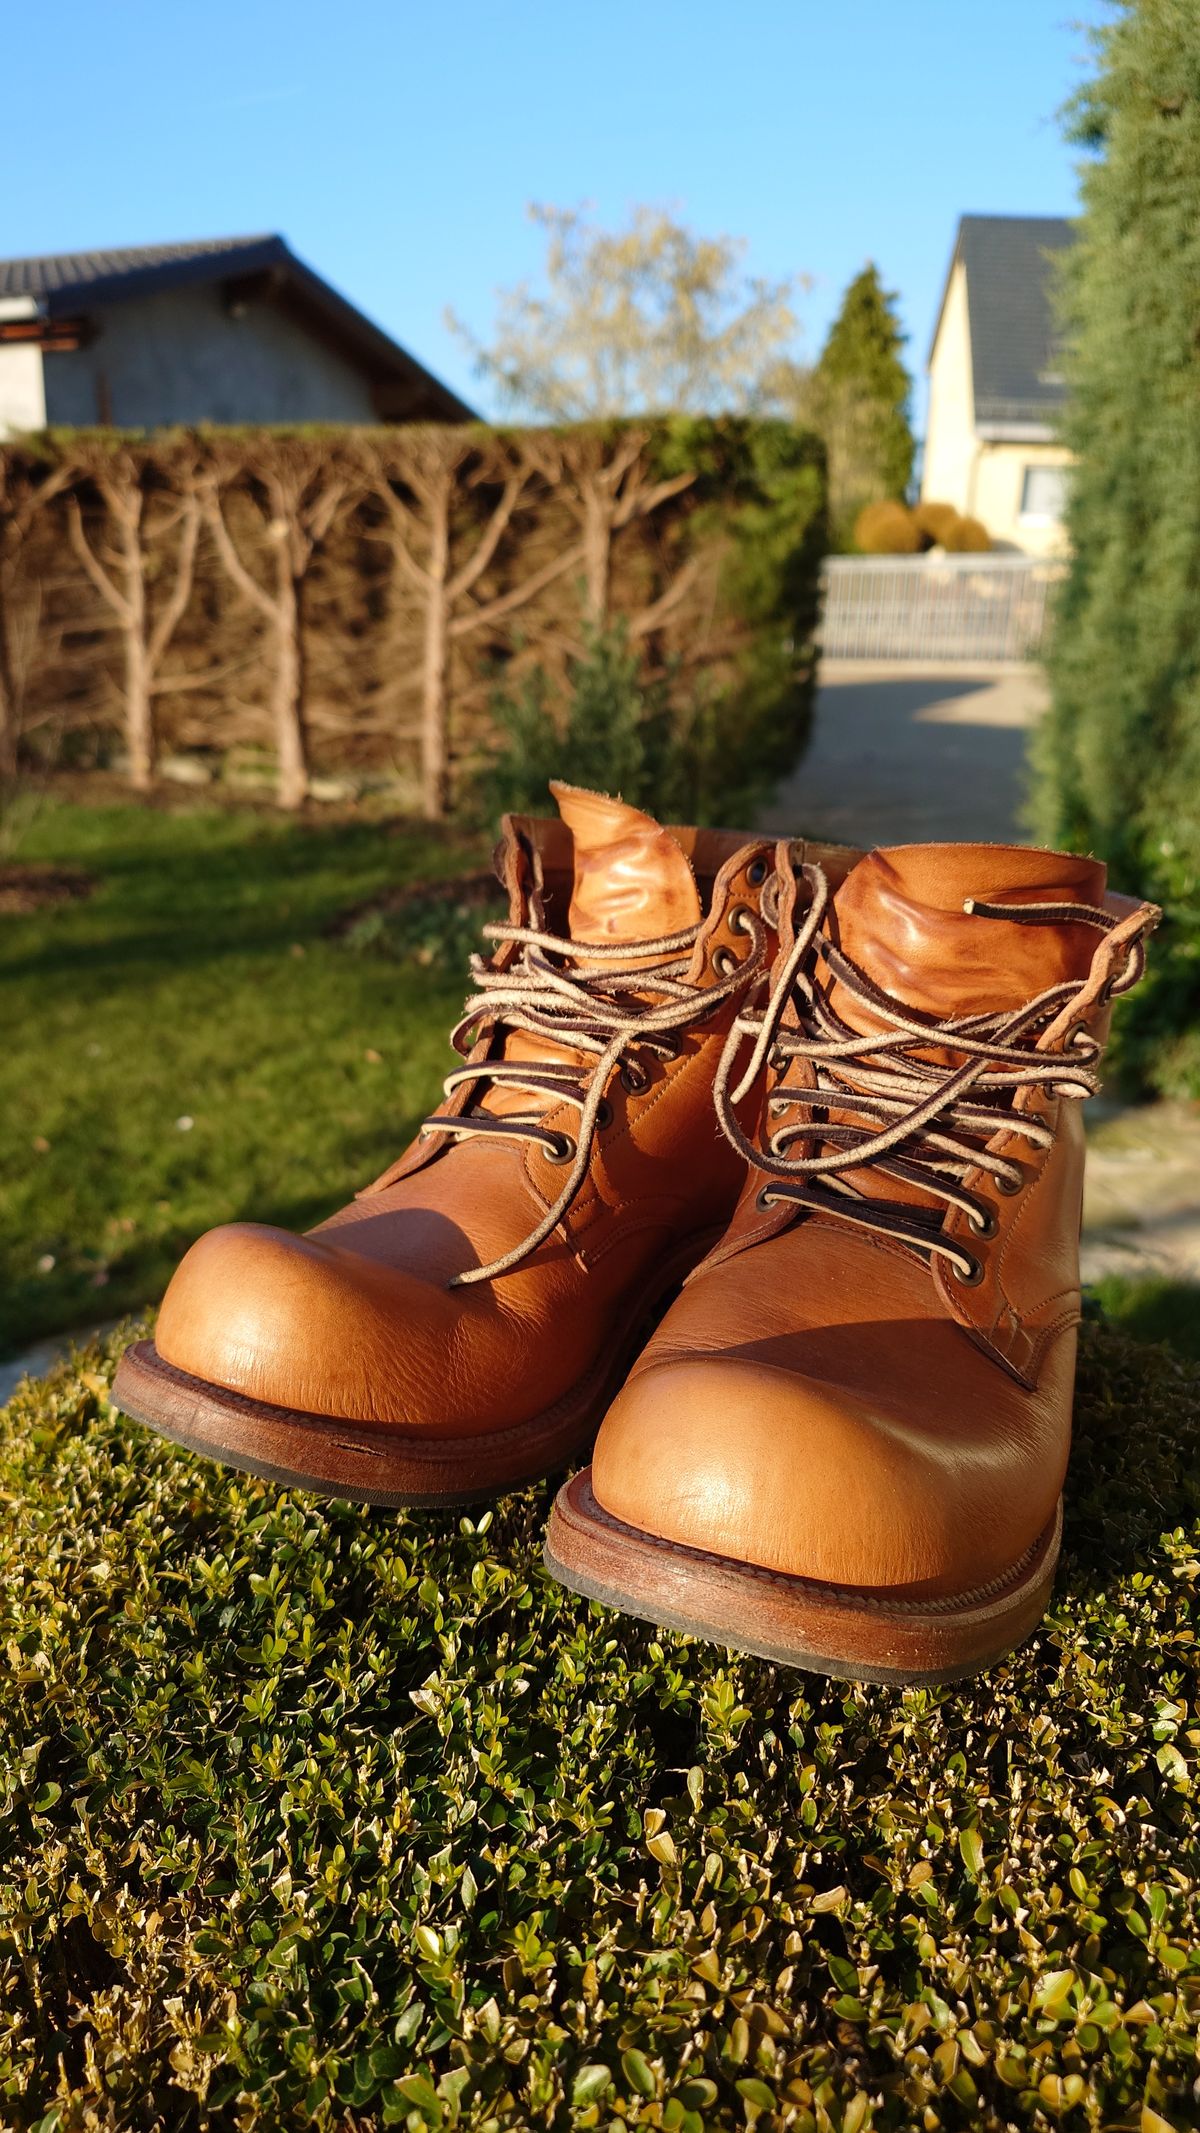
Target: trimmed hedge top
323,1816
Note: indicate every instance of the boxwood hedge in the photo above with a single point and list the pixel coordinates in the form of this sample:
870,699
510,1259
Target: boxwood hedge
322,1816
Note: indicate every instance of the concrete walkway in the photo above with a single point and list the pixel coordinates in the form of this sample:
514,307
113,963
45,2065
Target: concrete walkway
901,753
904,753
1141,1199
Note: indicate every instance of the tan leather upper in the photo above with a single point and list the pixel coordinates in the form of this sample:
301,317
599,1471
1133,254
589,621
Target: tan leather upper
834,1402
358,1319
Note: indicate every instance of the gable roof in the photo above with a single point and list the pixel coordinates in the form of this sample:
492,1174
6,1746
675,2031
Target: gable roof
262,267
1016,371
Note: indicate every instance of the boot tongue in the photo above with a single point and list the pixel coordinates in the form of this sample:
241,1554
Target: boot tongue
632,880
899,916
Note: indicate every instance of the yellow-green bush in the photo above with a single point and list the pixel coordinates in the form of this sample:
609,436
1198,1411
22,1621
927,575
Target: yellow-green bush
967,536
934,520
318,1817
886,528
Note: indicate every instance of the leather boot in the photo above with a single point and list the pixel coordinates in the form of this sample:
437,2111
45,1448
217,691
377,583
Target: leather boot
463,1324
844,1447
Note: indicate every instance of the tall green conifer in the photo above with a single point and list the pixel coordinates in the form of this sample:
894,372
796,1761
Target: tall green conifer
1119,754
860,397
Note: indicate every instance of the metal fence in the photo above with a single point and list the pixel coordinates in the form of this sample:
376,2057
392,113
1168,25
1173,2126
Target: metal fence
936,607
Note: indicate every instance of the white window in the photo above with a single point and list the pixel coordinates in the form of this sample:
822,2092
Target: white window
1043,492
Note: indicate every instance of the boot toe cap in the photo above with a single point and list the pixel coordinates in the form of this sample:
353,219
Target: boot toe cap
294,1322
765,1468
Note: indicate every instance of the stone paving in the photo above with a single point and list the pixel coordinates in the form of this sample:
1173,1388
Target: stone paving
1141,1201
904,753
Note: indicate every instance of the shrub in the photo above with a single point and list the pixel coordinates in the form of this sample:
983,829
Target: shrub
1118,757
689,751
967,536
859,396
886,528
613,732
323,1817
934,520
430,923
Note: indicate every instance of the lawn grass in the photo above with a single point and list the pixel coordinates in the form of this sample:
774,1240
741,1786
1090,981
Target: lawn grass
317,1816
1152,1308
197,983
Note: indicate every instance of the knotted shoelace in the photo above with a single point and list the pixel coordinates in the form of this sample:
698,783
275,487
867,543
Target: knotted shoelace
582,995
914,1119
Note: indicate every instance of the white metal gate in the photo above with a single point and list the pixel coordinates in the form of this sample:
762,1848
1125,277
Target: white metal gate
936,607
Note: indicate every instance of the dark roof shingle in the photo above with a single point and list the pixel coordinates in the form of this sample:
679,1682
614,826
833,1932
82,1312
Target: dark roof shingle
62,272
1015,363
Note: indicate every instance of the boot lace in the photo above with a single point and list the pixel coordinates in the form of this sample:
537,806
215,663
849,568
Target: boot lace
925,1123
584,996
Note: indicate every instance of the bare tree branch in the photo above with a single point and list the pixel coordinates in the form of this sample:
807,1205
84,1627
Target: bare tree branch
100,579
639,503
473,569
527,589
247,584
652,617
185,569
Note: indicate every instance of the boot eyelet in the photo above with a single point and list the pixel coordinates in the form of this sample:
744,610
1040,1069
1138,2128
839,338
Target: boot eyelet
986,1226
724,963
971,1280
1008,1186
604,1116
741,919
632,1078
564,1149
756,873
765,1200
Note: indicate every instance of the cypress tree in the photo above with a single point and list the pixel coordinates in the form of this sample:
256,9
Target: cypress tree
862,395
1118,757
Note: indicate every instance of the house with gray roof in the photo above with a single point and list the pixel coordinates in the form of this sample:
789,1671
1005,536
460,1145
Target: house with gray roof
996,387
223,330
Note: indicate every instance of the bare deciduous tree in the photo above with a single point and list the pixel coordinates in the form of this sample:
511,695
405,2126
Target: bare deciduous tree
299,491
607,486
649,319
142,517
439,467
24,491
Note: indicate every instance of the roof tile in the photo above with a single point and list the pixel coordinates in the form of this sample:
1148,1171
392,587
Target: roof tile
1010,305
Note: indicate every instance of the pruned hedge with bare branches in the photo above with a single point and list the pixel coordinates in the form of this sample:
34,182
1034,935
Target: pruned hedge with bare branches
350,598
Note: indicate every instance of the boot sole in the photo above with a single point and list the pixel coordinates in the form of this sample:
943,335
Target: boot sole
384,1463
795,1621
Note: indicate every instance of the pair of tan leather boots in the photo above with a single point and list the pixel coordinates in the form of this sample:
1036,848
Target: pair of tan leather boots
833,1094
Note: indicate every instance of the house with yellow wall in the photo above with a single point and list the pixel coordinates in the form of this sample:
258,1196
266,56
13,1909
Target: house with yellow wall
996,388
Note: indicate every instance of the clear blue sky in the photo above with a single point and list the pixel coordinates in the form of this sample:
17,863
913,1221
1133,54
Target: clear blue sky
396,145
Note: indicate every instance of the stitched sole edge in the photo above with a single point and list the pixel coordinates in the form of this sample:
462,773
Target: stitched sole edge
388,1464
796,1622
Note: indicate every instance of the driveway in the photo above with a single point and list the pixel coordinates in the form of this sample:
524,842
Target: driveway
902,753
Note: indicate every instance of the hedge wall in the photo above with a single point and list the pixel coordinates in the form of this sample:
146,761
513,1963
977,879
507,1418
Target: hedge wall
1118,757
350,598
